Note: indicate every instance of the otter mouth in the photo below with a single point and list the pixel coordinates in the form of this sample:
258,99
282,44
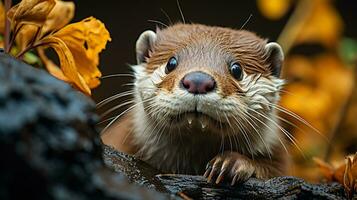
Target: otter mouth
196,119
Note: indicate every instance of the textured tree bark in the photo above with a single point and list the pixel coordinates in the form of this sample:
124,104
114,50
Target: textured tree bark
196,187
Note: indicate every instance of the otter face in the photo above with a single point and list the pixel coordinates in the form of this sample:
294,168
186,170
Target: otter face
208,78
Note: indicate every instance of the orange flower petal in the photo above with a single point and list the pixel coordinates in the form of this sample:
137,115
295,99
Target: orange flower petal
30,12
68,64
51,66
2,18
86,39
60,16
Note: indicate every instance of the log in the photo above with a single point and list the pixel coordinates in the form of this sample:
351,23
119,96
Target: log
196,187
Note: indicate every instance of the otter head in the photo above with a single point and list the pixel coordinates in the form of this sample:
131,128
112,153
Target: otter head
202,78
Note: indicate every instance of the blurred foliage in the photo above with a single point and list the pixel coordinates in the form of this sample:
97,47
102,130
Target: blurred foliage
42,24
273,9
321,88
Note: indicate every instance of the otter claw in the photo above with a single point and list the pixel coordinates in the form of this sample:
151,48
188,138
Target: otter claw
207,172
230,167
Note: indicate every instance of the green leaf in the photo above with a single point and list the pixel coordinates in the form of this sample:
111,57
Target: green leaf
31,58
348,51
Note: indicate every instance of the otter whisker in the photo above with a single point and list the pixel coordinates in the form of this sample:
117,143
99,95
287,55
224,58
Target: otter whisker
290,123
117,75
154,130
167,16
234,135
264,124
124,112
110,118
130,132
128,84
240,130
222,136
181,13
148,106
105,120
158,22
114,97
292,114
246,22
245,135
116,107
288,93
286,133
162,127
229,138
247,118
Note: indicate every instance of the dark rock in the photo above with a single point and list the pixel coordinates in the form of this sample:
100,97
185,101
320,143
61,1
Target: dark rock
276,188
196,187
136,170
49,146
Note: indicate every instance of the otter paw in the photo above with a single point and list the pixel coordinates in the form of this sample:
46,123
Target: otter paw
229,167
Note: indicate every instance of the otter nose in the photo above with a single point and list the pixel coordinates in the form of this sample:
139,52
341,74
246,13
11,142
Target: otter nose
198,83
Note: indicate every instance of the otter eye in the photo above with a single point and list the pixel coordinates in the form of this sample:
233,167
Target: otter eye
171,65
236,71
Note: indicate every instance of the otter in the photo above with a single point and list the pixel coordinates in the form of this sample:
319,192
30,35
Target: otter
205,104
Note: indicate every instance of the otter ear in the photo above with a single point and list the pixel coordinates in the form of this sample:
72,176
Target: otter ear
144,45
275,57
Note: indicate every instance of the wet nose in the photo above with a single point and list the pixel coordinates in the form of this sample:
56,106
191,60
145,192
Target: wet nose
198,83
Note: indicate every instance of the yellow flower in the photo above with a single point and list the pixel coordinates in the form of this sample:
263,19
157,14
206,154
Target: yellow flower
30,12
78,46
42,24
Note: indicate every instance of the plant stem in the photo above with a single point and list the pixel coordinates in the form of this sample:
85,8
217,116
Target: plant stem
22,53
342,115
294,26
13,37
7,26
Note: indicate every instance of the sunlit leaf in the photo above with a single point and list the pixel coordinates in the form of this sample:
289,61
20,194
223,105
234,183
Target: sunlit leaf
2,18
26,35
273,9
345,173
30,12
319,86
86,39
316,86
51,66
78,46
60,15
31,58
325,168
67,62
324,25
348,51
350,175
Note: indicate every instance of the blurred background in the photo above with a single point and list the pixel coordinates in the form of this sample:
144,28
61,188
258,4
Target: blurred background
319,38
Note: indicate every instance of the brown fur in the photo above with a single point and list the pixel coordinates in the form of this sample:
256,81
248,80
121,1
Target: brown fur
242,45
210,50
